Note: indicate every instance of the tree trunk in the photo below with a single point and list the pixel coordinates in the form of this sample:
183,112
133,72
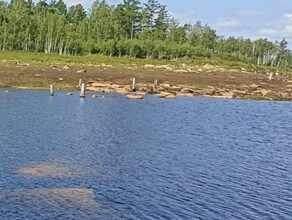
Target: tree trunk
132,30
61,48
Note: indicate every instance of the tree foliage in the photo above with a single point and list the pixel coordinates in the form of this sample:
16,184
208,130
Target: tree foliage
128,29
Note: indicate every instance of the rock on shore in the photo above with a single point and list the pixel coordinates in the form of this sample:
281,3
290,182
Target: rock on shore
169,91
134,97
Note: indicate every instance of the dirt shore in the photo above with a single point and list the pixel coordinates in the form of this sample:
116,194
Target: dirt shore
197,81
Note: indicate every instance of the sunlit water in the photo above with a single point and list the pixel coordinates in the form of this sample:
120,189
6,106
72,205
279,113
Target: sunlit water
113,158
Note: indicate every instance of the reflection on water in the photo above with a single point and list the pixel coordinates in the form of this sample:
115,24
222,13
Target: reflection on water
64,157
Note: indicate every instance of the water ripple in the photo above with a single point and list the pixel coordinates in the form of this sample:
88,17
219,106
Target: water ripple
112,158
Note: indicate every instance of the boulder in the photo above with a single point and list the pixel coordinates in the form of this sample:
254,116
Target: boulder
284,95
140,93
105,65
254,86
239,92
60,80
162,94
122,90
94,96
66,67
128,88
65,198
134,97
187,90
21,64
171,96
115,86
101,84
181,71
168,68
219,97
81,71
143,89
189,95
107,90
211,87
165,85
270,93
243,86
262,92
227,95
208,67
93,89
235,70
207,92
51,170
149,66
55,67
69,93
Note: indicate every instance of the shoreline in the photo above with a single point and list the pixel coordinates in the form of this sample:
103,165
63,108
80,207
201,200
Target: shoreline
189,81
161,95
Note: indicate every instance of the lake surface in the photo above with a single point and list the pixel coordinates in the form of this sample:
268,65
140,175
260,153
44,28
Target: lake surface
112,158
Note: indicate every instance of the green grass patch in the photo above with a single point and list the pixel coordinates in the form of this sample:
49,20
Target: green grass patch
96,59
255,97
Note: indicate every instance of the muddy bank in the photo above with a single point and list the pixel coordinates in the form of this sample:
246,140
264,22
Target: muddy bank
207,80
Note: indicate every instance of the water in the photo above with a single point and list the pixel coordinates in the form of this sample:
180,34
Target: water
113,158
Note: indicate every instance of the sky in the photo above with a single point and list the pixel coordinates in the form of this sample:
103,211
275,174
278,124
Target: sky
253,19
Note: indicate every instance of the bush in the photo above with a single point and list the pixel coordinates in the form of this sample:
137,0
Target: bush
199,51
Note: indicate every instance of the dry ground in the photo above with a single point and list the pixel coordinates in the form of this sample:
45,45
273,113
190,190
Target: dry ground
41,76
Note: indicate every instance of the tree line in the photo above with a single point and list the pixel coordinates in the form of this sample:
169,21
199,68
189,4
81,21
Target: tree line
128,29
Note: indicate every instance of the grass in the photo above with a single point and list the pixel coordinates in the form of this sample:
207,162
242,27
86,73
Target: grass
91,59
95,59
259,97
255,97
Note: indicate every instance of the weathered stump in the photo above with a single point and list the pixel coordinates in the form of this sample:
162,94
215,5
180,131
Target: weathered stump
51,90
155,85
82,92
133,84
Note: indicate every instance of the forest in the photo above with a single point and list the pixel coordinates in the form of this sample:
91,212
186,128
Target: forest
130,29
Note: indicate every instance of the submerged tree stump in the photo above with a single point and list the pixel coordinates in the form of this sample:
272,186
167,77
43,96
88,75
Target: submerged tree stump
51,90
155,85
134,84
82,92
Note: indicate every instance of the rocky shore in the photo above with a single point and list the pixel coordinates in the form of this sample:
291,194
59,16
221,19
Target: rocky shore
169,91
256,83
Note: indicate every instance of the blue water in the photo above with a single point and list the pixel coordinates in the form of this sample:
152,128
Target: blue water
144,159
